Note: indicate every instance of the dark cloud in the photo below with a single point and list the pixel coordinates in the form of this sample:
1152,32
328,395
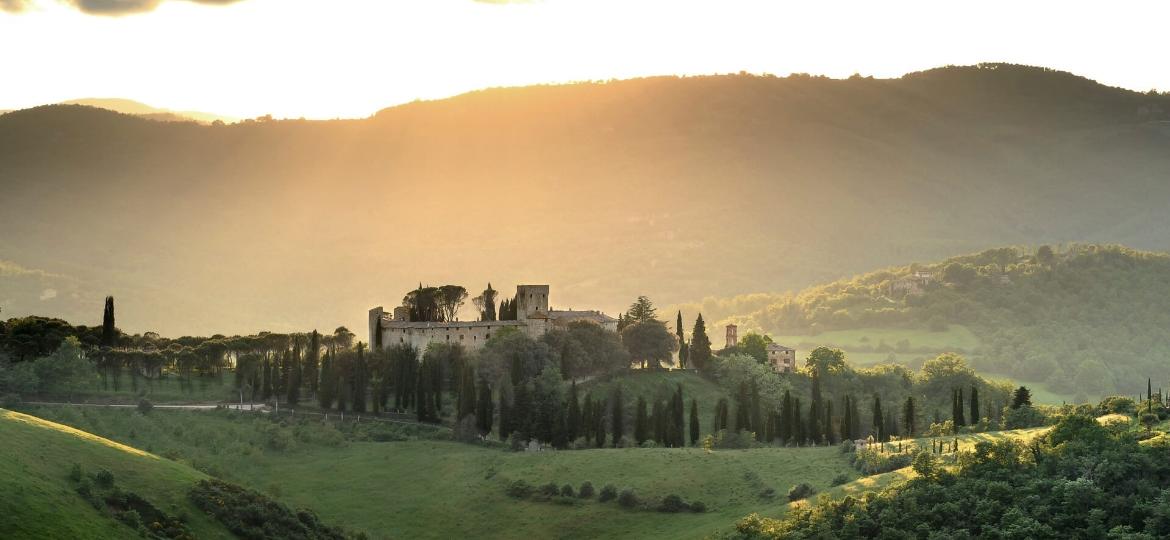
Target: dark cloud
112,8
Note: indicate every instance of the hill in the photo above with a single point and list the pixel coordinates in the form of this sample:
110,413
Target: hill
1085,320
40,500
353,481
128,106
678,188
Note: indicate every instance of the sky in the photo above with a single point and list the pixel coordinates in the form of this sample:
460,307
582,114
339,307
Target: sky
350,58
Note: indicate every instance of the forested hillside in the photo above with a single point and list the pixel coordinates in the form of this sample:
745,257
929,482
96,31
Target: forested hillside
678,188
1088,319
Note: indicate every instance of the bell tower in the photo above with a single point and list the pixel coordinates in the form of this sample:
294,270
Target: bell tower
732,335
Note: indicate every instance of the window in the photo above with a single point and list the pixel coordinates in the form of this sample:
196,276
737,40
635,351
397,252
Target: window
460,337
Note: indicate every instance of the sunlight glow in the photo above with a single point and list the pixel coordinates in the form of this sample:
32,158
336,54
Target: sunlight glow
349,58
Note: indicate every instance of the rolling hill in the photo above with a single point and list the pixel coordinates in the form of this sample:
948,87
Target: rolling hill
1084,320
678,188
40,501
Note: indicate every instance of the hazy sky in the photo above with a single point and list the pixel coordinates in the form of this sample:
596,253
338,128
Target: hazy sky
349,58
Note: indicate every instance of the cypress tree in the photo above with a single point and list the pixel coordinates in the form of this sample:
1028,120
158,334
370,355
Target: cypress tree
743,419
699,351
757,420
313,362
960,418
658,421
694,422
109,330
618,424
1149,395
267,394
830,436
814,410
599,422
294,377
521,411
974,404
908,415
483,408
466,402
1021,398
506,419
573,422
640,422
324,391
682,342
878,418
798,431
587,423
786,419
679,428
846,421
359,380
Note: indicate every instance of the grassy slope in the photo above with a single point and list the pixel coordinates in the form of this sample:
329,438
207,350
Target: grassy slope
423,481
39,500
446,489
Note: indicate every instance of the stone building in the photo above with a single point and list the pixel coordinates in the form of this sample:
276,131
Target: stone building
533,317
732,336
781,358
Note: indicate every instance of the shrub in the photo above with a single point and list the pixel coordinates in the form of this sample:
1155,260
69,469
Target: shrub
549,489
566,490
768,493
672,503
250,514
518,489
586,490
608,493
627,498
846,446
75,473
131,519
698,507
145,406
104,478
800,491
840,479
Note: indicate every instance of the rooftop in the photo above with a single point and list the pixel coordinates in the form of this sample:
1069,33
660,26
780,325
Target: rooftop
389,322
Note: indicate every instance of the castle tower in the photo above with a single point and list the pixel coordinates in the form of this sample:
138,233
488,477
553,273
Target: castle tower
376,325
531,299
732,335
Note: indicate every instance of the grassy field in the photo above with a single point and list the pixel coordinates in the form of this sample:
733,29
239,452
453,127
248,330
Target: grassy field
1040,393
954,338
441,489
40,501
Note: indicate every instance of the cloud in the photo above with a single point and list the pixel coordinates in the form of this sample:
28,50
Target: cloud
48,294
13,6
112,8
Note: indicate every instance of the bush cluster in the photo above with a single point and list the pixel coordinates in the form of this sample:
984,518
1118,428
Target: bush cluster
251,514
800,491
626,498
129,508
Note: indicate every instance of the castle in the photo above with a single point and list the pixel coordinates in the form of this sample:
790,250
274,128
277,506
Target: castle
533,317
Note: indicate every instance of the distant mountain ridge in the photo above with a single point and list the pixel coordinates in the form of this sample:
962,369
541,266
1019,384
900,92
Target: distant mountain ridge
678,188
128,106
